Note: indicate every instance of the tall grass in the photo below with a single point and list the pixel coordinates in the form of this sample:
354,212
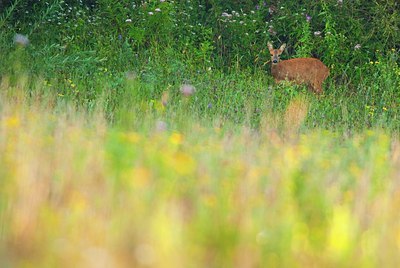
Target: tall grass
176,190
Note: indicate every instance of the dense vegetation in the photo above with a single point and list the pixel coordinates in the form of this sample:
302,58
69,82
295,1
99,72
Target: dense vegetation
213,45
151,133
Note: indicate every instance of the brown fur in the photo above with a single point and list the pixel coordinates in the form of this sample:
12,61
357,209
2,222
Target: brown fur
309,71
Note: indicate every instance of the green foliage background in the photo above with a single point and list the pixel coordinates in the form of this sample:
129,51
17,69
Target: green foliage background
225,30
95,45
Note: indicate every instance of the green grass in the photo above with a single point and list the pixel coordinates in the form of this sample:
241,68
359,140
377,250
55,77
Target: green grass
267,175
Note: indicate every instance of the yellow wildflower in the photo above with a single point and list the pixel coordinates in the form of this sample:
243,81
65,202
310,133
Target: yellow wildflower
78,202
176,138
132,137
340,231
183,163
209,200
12,122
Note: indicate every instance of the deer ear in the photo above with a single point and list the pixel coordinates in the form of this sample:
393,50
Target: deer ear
270,47
282,48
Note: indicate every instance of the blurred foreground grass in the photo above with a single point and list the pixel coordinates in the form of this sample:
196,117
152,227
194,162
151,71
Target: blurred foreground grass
76,192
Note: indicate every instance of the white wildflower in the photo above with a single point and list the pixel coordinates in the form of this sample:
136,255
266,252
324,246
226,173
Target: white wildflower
21,39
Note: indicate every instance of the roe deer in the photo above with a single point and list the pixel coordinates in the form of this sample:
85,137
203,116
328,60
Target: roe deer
309,71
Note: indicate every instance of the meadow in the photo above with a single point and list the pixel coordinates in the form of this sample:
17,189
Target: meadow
139,148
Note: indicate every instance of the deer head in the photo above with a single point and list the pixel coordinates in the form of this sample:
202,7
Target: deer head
275,53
